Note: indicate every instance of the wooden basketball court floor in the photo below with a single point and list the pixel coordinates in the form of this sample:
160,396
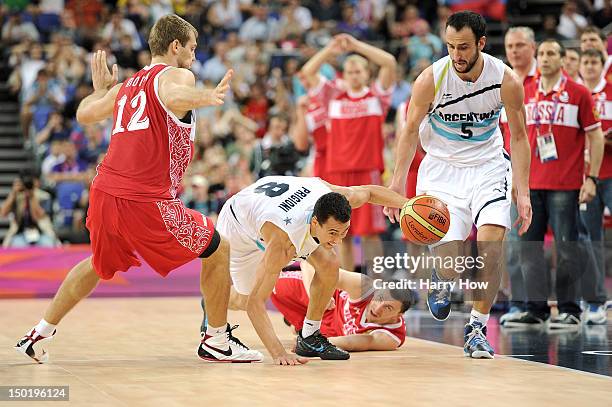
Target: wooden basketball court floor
141,352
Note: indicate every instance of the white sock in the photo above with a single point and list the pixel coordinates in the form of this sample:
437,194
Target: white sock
310,327
44,328
212,331
477,316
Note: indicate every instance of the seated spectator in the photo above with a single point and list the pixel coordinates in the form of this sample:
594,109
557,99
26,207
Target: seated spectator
423,44
570,21
295,19
57,129
29,223
127,57
549,29
55,156
119,26
26,61
326,10
275,154
225,14
70,178
215,68
16,30
90,141
256,108
405,26
260,27
602,17
351,24
45,96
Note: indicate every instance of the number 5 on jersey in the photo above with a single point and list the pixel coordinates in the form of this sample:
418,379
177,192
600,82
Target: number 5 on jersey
137,122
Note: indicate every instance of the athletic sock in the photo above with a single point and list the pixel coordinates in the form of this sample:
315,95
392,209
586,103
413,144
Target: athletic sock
477,316
216,332
44,328
310,327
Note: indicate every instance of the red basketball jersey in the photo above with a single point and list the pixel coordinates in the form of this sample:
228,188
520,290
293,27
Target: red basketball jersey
350,318
347,318
150,147
316,120
355,123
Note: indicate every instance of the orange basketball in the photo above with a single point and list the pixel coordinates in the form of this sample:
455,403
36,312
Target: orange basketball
424,220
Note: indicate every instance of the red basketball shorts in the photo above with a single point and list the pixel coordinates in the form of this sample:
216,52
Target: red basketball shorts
368,219
291,299
165,234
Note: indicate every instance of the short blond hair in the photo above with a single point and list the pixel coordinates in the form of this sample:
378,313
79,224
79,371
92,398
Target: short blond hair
167,29
357,59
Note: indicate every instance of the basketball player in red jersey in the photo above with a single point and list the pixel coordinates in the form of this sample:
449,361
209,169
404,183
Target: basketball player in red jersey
356,113
356,319
133,203
311,120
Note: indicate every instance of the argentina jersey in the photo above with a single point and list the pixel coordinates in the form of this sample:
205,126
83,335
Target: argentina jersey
462,127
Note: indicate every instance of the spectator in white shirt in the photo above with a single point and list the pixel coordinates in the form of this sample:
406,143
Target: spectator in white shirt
571,23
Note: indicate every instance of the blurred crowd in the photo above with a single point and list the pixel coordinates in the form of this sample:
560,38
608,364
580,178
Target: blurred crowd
48,44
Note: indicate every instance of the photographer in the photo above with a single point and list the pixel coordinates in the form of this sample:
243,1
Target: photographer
275,154
30,225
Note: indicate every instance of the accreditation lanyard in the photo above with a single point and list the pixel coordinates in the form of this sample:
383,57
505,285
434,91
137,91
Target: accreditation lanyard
555,97
547,148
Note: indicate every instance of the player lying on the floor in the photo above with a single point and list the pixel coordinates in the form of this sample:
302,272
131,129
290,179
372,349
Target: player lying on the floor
358,317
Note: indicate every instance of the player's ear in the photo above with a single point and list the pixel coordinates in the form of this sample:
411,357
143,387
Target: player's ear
315,220
482,42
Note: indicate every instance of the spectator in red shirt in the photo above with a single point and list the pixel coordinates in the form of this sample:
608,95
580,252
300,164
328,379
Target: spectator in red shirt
356,112
559,115
593,288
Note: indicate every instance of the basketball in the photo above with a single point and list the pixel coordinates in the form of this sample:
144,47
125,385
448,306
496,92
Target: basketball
424,220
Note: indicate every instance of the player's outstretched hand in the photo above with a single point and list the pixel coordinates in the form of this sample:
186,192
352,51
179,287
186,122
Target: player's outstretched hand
290,359
394,213
523,205
100,75
216,96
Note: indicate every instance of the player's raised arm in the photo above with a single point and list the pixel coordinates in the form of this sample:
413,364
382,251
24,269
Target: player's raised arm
420,103
512,95
279,251
100,104
310,70
386,61
299,132
178,92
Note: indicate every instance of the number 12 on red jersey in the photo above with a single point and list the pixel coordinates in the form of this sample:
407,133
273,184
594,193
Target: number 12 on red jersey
137,122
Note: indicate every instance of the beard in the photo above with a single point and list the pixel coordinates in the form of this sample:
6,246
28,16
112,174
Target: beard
470,64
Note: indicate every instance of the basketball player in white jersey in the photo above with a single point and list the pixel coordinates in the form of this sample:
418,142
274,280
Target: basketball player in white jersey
455,106
277,220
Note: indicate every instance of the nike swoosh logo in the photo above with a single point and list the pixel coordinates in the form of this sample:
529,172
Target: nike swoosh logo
317,349
227,352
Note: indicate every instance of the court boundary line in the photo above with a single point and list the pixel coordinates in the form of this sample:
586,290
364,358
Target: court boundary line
590,374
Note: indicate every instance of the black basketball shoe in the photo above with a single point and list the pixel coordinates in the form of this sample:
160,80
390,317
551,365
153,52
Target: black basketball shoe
316,345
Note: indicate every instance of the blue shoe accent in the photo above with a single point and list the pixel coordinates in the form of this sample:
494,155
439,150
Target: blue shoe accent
476,344
439,300
204,318
515,310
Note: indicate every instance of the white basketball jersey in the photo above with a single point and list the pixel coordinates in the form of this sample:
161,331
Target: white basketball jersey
287,202
462,126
